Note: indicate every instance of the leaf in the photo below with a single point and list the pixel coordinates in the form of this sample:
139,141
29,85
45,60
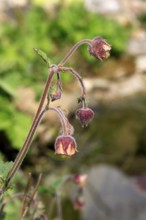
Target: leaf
18,129
4,168
7,88
12,210
43,55
53,187
5,121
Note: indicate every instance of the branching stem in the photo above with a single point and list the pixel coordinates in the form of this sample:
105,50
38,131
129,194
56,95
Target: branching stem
39,114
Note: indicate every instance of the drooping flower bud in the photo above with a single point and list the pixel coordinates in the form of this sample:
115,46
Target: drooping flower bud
99,48
79,203
65,145
85,115
80,179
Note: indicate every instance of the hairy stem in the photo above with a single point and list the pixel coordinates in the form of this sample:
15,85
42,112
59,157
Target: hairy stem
63,119
25,197
59,208
32,196
77,75
73,49
23,151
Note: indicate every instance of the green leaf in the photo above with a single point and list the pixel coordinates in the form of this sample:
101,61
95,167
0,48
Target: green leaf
43,55
53,187
6,87
18,130
4,169
12,210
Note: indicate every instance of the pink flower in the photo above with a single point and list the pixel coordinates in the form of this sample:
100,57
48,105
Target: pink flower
80,179
79,203
85,115
65,145
99,48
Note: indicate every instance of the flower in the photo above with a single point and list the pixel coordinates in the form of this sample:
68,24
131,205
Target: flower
85,115
99,48
80,179
65,145
79,203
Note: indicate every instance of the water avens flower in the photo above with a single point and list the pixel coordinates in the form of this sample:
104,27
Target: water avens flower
99,48
85,115
80,179
65,145
79,203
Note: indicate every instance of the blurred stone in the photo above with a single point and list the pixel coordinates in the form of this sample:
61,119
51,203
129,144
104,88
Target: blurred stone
110,195
106,90
123,11
115,6
137,43
15,3
141,64
102,6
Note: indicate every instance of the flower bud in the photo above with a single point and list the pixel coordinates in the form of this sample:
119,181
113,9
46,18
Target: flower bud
85,115
65,145
79,203
99,48
80,179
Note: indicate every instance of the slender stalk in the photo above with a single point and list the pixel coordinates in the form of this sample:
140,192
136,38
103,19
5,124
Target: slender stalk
59,208
73,49
32,196
23,151
25,197
77,75
62,118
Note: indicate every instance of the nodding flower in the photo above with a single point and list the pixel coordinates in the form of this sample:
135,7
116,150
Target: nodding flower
80,179
65,145
99,48
79,203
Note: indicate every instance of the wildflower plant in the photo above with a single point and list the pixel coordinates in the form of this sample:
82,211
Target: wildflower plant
65,143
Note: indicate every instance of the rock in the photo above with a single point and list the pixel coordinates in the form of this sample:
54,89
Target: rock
137,43
102,6
110,195
141,64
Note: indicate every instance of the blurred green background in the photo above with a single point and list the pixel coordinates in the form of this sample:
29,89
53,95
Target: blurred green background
116,90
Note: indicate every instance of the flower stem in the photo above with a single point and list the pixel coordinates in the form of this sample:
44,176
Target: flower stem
73,49
63,119
25,196
32,196
39,114
59,208
23,151
77,75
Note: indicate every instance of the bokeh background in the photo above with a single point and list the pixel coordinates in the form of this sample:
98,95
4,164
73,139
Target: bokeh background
112,149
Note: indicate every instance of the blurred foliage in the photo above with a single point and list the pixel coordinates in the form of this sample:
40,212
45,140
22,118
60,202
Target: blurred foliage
4,169
142,19
54,32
